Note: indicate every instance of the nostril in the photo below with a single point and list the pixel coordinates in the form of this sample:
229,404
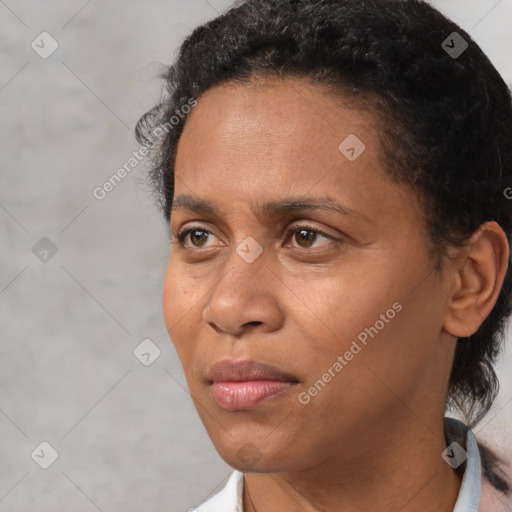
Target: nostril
256,322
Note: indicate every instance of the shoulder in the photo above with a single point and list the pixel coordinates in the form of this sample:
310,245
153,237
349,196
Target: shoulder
486,483
493,500
496,493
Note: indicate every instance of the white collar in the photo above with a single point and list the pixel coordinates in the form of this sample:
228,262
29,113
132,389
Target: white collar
469,493
230,497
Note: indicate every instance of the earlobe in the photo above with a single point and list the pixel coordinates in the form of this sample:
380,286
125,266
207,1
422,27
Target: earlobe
478,280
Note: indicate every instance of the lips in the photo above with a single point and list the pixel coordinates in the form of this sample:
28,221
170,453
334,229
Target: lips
238,385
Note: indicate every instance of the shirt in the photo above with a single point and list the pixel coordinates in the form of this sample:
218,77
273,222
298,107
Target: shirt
230,497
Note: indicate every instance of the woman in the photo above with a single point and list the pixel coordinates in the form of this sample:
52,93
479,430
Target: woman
334,175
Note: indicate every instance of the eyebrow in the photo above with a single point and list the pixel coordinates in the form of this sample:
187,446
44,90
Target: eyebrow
270,209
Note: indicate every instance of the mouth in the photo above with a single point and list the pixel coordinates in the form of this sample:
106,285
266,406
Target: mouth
241,385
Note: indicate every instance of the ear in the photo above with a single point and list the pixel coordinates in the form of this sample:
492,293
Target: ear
478,278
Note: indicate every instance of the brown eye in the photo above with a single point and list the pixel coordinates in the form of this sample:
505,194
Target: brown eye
197,234
306,236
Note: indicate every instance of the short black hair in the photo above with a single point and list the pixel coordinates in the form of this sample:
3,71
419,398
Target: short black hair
446,111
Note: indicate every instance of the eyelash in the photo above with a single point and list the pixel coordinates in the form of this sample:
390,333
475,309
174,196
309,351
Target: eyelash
290,231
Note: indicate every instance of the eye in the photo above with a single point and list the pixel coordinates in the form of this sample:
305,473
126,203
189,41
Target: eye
203,235
304,235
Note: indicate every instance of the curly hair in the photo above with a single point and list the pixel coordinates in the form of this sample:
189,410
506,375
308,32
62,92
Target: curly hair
447,119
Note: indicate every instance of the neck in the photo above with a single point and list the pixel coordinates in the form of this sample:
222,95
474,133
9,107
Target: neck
396,470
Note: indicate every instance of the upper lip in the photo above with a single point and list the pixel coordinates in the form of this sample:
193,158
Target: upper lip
245,370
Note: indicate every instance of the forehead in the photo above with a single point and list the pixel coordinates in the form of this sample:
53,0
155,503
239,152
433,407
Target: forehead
277,133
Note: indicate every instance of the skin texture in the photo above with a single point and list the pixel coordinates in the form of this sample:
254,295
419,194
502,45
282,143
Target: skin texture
372,438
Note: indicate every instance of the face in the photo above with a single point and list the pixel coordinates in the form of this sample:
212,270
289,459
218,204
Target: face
303,328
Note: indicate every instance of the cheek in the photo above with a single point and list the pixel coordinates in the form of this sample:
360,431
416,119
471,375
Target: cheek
169,299
180,305
390,345
375,317
182,294
333,307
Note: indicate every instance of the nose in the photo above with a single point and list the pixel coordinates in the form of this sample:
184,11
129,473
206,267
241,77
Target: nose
246,297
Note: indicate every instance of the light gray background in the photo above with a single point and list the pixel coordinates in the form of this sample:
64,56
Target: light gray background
128,436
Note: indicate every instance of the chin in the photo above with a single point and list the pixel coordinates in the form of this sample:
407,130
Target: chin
250,464
249,457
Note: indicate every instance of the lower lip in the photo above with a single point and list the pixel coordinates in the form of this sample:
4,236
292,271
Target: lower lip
246,394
